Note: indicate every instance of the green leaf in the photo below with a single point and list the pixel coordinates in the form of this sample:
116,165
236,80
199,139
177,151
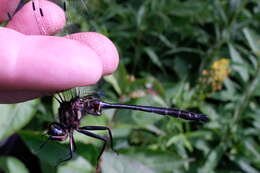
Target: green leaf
220,11
15,116
238,63
253,147
154,57
213,158
12,165
112,163
180,67
181,138
245,166
112,80
253,40
52,152
159,161
77,165
146,118
140,15
119,80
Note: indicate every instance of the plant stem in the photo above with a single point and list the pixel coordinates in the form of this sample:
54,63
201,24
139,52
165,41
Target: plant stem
246,96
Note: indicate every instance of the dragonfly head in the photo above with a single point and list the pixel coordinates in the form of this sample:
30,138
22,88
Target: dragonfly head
57,132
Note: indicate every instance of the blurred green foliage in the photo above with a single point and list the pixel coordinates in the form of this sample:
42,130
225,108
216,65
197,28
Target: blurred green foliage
198,55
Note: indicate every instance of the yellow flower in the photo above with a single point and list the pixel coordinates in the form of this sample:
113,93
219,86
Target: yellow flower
216,74
220,69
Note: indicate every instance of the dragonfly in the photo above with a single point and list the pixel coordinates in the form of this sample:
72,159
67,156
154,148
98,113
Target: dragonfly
71,112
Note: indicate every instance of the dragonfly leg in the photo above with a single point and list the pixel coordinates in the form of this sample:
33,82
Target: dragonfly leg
101,128
72,149
43,144
9,16
93,135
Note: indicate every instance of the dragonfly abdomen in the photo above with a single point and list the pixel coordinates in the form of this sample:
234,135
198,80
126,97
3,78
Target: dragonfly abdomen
186,115
160,110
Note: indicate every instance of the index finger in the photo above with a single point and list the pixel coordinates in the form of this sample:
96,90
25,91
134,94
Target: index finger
38,17
7,7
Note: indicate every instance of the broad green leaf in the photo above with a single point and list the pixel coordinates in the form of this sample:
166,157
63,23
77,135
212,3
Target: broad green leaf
77,165
112,163
91,121
159,161
12,165
15,116
52,152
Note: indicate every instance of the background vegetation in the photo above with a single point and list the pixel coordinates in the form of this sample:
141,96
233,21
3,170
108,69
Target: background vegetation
201,55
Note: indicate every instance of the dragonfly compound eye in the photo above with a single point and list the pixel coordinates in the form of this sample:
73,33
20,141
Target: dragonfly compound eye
56,130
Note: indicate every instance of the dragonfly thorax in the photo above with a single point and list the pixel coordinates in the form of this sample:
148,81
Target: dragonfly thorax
71,112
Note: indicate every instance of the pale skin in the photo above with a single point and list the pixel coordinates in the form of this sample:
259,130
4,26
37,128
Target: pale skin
33,63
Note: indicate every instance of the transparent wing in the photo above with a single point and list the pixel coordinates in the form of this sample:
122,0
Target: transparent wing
77,92
80,4
80,92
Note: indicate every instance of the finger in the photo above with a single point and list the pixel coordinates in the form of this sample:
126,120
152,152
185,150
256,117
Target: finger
9,97
7,6
45,63
39,17
105,49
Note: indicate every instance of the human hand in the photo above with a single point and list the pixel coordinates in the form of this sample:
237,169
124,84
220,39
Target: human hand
33,64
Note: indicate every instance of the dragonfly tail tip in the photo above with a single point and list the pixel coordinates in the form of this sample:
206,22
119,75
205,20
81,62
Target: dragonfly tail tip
203,118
